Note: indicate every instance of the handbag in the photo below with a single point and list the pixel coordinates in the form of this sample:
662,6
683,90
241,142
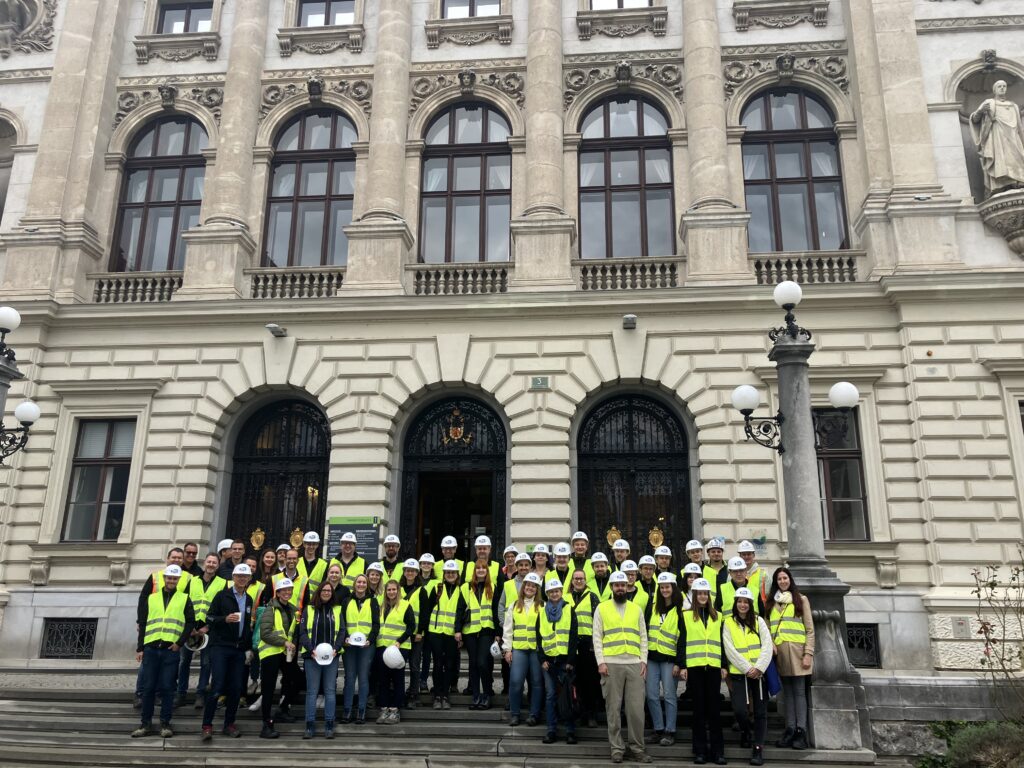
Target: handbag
568,702
772,679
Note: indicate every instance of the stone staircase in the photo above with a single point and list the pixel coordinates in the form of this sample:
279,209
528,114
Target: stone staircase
82,727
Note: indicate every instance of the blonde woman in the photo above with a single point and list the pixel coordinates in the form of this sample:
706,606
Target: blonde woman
519,641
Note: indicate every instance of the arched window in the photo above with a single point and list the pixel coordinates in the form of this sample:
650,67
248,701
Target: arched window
466,199
311,187
625,181
791,174
160,195
8,138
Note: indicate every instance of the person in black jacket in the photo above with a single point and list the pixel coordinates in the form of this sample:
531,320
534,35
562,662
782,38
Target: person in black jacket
322,622
230,621
443,629
556,648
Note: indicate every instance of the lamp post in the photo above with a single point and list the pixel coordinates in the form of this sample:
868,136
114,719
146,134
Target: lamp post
838,708
27,412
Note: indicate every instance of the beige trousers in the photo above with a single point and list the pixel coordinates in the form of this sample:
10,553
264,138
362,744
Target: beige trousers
624,682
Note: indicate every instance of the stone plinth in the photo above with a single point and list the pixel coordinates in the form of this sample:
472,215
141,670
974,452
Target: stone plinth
217,255
378,250
715,238
540,243
1004,213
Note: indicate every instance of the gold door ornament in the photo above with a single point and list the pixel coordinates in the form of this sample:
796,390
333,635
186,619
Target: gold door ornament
256,538
613,535
656,537
295,539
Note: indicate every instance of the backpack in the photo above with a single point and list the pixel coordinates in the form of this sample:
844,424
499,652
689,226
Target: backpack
568,702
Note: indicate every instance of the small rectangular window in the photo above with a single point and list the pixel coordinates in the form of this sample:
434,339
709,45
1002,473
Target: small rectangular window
323,13
844,505
99,480
185,18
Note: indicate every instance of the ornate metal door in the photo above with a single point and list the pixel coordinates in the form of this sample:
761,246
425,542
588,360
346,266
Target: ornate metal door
460,437
634,478
279,480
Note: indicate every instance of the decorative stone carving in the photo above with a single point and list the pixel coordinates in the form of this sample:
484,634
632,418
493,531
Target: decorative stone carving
511,84
1004,212
467,81
888,574
360,91
989,59
210,97
320,40
786,65
26,26
315,88
970,22
118,573
779,14
177,47
470,31
168,93
997,128
622,23
39,571
577,79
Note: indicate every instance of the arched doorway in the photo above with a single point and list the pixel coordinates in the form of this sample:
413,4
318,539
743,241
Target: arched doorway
634,477
279,477
453,481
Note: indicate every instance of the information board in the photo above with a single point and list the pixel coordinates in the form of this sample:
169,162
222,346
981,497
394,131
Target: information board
366,529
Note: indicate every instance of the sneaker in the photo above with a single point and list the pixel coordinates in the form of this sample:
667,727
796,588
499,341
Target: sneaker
329,729
437,703
485,702
143,730
179,700
346,717
232,731
513,721
396,716
720,760
255,706
268,732
445,703
668,739
385,714
531,721
361,717
616,759
165,731
787,739
309,732
699,760
757,756
549,738
570,738
799,739
207,733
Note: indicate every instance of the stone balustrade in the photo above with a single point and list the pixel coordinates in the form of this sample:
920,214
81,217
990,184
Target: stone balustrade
134,287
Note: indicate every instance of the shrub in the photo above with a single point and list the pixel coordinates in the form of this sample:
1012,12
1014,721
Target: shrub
987,745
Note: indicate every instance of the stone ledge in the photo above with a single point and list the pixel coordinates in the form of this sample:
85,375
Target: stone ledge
779,14
177,47
319,40
469,31
622,23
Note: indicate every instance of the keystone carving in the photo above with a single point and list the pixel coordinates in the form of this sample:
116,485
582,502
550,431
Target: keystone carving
576,80
785,66
211,98
509,83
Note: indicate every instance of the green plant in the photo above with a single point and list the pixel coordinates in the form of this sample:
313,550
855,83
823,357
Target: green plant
987,745
1000,615
945,730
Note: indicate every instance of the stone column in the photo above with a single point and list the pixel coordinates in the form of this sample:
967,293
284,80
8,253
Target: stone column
380,240
543,236
223,246
714,227
56,242
838,711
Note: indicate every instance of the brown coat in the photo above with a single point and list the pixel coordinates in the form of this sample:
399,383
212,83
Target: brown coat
790,655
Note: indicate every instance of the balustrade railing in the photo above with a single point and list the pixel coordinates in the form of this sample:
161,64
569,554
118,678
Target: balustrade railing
626,274
812,267
459,279
296,282
134,287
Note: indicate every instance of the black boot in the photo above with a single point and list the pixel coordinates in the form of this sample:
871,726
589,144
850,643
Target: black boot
346,717
268,731
787,738
757,756
361,717
745,741
284,715
799,739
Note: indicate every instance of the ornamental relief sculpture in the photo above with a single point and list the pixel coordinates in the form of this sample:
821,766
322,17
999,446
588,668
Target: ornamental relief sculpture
360,91
577,79
512,84
26,26
785,66
210,98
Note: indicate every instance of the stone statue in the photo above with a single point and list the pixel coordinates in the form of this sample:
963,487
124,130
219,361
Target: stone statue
998,133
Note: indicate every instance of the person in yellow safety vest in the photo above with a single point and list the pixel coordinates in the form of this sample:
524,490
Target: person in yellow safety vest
291,574
397,627
620,647
789,617
727,591
584,602
562,568
748,646
509,595
442,614
277,649
201,591
411,585
391,562
375,581
714,570
600,584
312,568
430,579
701,668
663,620
663,559
449,545
322,639
508,570
580,544
482,548
165,622
154,583
756,577
351,564
519,642
691,572
637,595
557,639
647,581
362,622
479,594
620,554
542,563
695,552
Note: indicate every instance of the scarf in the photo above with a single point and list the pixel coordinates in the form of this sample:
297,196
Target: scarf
554,611
783,598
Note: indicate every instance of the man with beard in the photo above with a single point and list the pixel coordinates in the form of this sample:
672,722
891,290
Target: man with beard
393,564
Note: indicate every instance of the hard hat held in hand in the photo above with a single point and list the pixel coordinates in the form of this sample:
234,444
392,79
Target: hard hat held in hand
324,654
393,658
197,643
495,650
358,639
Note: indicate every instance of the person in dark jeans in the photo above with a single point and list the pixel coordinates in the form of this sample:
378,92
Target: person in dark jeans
748,646
165,622
229,619
480,596
588,685
557,638
277,631
442,613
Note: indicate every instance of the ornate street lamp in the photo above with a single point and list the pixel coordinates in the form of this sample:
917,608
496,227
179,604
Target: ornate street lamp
27,412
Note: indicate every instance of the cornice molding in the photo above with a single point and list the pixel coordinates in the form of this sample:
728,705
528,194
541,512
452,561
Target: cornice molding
834,47
95,385
928,26
864,375
177,47
321,40
622,23
471,31
1004,366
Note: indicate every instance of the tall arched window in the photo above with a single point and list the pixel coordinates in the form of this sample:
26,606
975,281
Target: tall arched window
791,174
466,198
311,188
160,195
625,181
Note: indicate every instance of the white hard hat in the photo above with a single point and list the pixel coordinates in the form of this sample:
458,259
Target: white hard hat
283,584
449,541
311,537
324,654
663,551
744,592
241,570
411,563
225,544
716,543
482,541
552,585
702,585
667,578
172,570
356,639
647,560
522,557
197,643
599,557
426,557
496,650
283,547
621,544
737,564
348,538
746,546
693,544
580,535
562,549
392,539
629,565
511,548
393,658
618,578
541,549
451,565
532,578
693,568
378,567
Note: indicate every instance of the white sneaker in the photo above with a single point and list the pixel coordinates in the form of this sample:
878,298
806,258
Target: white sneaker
395,717
255,706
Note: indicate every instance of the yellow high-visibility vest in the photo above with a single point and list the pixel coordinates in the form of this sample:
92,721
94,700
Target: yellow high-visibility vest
183,581
729,598
480,613
392,626
315,577
265,649
746,643
202,594
359,618
310,615
348,573
442,620
703,642
663,632
786,627
298,586
470,570
584,608
524,627
712,576
603,595
165,623
621,633
554,638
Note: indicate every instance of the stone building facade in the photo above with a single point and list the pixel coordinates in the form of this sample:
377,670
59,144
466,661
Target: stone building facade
426,366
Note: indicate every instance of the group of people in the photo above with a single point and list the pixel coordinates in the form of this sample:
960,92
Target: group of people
571,627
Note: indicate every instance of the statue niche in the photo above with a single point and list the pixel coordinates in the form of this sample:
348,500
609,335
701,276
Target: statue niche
998,133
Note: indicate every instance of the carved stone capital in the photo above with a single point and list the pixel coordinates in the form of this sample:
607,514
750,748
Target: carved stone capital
1004,212
470,31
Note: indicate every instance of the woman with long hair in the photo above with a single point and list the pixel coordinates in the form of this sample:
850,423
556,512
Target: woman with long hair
397,627
789,616
748,647
588,688
442,613
321,622
375,581
691,572
663,623
361,618
700,667
411,586
478,633
541,563
266,565
519,641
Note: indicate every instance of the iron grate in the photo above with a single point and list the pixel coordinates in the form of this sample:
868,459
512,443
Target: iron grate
862,645
68,638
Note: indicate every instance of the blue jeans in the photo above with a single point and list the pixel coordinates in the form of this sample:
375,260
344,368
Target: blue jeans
185,666
317,676
227,678
357,666
525,663
659,678
159,668
554,676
